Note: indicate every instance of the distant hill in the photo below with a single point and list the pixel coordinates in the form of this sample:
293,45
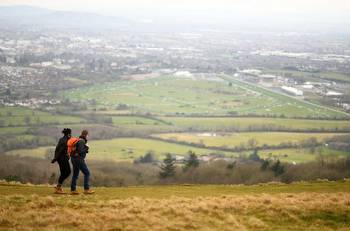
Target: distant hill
27,16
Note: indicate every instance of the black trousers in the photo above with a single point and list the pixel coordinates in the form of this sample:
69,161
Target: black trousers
64,169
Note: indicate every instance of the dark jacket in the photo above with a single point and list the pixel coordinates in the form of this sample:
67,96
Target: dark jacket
61,149
82,148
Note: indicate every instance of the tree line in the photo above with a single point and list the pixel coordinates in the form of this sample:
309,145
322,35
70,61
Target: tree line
251,170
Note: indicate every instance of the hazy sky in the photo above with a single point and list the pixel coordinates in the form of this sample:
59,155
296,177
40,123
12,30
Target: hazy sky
309,10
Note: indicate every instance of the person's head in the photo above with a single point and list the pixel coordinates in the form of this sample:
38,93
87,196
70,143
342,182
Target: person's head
84,134
67,132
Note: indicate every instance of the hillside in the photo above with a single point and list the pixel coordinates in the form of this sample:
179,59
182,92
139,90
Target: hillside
299,206
28,16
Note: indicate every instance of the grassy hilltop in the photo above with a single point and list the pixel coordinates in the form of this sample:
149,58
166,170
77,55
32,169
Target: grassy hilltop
299,206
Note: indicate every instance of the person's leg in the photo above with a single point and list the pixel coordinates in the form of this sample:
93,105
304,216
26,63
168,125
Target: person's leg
62,169
75,164
65,171
85,170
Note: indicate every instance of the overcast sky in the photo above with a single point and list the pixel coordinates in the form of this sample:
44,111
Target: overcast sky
298,10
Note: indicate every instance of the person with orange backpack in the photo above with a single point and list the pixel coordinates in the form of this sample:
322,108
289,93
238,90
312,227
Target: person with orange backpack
78,148
62,158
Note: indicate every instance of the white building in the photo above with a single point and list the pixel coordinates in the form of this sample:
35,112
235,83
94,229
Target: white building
307,86
292,90
254,72
333,93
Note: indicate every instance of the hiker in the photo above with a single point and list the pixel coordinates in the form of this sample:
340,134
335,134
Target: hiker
62,158
79,164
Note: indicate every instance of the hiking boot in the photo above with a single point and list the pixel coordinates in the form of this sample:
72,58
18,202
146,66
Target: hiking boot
74,192
89,191
59,190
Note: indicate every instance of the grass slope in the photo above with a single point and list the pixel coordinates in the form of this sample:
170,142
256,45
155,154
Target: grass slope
302,206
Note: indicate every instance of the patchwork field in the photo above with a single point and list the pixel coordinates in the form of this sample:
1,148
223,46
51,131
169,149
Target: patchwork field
178,95
233,140
124,149
226,123
20,116
300,206
301,155
178,113
127,149
13,130
135,120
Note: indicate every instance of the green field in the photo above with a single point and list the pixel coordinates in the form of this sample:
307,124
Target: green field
301,155
170,99
298,206
35,152
287,105
176,95
20,116
226,123
124,149
135,120
127,149
232,140
13,130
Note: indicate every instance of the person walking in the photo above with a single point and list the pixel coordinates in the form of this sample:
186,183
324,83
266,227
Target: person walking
62,158
79,164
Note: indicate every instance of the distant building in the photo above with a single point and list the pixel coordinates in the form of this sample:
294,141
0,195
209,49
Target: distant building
307,86
46,64
207,134
254,72
183,74
267,79
333,93
292,90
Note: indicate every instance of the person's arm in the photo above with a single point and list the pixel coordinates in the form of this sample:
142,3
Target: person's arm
58,151
81,149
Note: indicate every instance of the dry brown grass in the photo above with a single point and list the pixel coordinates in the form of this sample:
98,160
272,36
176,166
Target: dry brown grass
285,211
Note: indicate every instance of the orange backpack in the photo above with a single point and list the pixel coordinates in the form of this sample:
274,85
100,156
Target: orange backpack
71,145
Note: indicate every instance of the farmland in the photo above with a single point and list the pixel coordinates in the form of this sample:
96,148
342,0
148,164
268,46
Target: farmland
301,155
128,149
21,116
237,123
305,206
124,149
167,114
170,95
232,140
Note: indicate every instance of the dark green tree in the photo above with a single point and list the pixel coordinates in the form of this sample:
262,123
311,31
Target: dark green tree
149,157
192,161
277,168
168,167
10,178
231,166
265,164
